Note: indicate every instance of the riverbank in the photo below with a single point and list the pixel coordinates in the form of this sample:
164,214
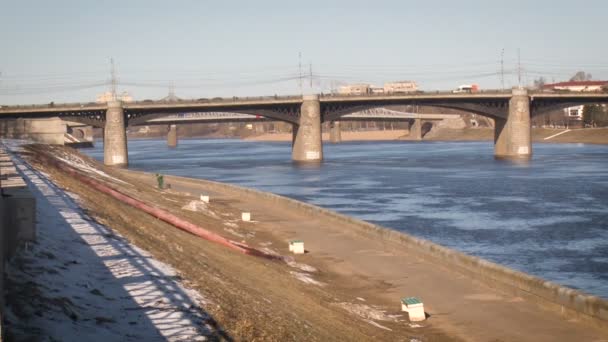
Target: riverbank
585,136
346,136
358,274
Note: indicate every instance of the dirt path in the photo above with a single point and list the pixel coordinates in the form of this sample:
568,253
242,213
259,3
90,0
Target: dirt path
348,287
382,272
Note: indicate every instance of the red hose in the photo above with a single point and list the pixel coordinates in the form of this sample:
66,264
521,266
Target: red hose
164,215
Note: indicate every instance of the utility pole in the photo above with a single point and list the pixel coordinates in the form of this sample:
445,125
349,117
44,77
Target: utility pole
310,72
300,70
502,68
172,91
113,82
518,69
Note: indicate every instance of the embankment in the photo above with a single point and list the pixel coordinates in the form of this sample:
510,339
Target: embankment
543,135
349,284
569,302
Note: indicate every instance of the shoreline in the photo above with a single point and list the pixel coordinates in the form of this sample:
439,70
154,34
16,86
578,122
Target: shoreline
596,136
539,135
354,259
563,297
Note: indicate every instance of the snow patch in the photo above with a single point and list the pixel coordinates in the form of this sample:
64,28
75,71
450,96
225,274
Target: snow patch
306,278
82,165
83,282
303,267
367,312
377,325
200,206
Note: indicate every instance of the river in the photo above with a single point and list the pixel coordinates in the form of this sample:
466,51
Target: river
547,217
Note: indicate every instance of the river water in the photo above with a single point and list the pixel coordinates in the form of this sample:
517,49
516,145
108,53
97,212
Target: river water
548,217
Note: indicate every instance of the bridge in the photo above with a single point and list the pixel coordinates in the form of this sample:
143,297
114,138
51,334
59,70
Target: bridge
510,110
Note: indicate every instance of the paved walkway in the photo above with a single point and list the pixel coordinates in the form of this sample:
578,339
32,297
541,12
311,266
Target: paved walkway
82,282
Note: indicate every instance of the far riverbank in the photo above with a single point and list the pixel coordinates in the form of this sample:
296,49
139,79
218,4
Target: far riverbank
547,135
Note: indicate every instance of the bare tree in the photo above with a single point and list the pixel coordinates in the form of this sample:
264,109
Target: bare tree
580,76
540,83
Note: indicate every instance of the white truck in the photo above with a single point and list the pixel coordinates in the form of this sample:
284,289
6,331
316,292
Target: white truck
466,88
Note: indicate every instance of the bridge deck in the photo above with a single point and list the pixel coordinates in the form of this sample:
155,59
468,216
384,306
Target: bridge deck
266,102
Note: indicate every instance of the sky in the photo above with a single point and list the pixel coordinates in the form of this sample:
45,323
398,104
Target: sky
60,50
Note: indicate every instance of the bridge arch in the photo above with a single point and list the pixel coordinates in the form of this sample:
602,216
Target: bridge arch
95,121
77,133
266,114
495,111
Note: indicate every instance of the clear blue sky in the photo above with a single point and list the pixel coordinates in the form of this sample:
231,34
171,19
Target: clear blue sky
51,50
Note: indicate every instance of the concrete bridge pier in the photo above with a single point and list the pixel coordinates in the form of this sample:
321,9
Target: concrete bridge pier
335,133
115,136
416,129
512,137
307,144
172,136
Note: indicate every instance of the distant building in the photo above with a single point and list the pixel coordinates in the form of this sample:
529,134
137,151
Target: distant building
574,115
376,90
355,89
145,129
576,86
107,96
400,87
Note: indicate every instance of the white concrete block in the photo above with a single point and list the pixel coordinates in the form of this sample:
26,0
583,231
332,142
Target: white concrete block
414,308
296,247
205,198
246,217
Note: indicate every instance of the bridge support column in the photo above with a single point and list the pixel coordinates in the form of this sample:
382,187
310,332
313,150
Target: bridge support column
172,136
512,136
115,136
335,133
307,144
416,129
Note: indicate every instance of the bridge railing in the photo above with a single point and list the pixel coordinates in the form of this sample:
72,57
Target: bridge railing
279,98
53,105
219,100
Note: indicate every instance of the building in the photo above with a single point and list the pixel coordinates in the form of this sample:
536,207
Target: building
574,113
376,90
107,96
354,89
400,87
576,86
573,116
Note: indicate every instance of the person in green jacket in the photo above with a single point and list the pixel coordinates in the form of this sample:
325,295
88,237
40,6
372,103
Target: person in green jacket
160,180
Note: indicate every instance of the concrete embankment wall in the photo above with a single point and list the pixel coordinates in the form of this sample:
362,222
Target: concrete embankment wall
571,303
42,130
